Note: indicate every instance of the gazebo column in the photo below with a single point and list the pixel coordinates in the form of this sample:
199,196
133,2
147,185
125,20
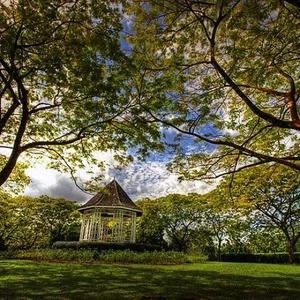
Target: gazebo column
83,227
88,228
133,227
118,225
100,225
85,233
93,227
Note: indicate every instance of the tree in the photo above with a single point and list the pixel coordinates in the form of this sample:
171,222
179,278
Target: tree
26,222
224,73
218,222
18,225
229,226
175,218
180,215
264,239
64,84
7,227
274,194
60,219
150,228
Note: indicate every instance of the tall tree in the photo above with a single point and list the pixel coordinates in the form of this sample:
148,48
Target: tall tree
63,81
218,222
274,193
225,73
229,226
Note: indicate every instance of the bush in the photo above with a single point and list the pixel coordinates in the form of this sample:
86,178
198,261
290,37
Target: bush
58,255
109,256
7,254
155,257
275,258
101,246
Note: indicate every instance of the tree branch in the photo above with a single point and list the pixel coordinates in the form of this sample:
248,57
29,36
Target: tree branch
266,116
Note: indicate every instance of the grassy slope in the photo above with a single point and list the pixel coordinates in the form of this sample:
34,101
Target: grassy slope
30,280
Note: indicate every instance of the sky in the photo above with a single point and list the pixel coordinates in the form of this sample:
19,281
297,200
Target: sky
149,179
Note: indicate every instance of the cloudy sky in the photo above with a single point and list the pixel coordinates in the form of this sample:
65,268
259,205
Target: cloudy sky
140,180
148,179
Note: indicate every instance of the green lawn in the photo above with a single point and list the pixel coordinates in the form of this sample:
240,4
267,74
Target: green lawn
21,279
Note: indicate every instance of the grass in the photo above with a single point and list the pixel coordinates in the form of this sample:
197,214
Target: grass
21,279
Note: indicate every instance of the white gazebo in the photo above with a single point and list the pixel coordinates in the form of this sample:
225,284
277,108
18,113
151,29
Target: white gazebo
110,216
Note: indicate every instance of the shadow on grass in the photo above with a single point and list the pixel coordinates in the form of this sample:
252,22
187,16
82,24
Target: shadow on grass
30,280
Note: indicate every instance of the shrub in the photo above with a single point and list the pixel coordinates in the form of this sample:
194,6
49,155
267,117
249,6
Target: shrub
102,246
58,255
146,257
7,254
109,256
197,258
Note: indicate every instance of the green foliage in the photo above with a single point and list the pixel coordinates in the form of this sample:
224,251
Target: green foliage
150,229
194,224
65,86
174,219
129,257
102,246
266,240
273,194
18,180
236,65
55,255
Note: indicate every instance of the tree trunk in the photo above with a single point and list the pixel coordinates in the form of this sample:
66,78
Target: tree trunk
291,249
219,249
3,246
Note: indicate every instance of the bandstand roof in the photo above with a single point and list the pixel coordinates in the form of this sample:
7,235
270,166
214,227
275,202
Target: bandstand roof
112,196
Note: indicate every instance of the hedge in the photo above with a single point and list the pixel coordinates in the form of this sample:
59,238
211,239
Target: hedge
109,256
101,246
274,258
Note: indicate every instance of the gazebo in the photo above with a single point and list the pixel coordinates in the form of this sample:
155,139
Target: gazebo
110,216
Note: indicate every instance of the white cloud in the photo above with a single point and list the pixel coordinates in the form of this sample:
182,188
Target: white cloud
139,180
54,184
